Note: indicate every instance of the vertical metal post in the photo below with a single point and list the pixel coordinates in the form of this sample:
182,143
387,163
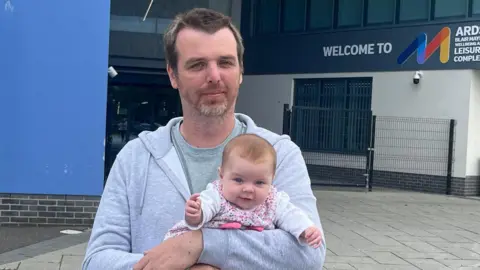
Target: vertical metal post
450,156
286,119
371,153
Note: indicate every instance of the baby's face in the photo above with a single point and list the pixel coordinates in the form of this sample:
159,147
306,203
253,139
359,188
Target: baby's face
245,183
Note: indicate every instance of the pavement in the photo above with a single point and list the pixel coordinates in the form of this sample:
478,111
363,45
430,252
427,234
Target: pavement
12,238
383,229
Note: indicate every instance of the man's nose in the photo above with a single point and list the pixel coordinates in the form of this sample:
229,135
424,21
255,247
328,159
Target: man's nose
213,74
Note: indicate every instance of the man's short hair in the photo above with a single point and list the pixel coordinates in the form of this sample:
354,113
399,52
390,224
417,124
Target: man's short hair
252,148
202,19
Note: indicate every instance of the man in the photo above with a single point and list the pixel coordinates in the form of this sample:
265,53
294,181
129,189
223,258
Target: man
155,174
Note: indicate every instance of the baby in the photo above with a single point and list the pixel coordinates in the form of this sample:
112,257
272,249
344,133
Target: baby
244,197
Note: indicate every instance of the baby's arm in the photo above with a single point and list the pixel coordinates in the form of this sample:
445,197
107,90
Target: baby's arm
292,219
209,203
312,236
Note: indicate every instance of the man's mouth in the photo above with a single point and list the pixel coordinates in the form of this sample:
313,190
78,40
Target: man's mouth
213,94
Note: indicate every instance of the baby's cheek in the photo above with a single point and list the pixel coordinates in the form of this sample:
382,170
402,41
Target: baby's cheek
263,194
229,194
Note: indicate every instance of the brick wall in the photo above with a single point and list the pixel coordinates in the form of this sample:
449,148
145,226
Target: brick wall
328,175
472,186
336,175
25,209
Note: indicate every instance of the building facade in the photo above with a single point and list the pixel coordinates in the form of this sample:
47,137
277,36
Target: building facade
335,63
414,64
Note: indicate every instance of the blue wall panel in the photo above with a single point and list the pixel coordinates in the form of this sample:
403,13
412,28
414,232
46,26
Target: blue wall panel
53,96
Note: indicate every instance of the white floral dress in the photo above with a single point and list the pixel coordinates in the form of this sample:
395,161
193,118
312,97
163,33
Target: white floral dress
276,211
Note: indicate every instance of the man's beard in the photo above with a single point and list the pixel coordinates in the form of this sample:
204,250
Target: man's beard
214,109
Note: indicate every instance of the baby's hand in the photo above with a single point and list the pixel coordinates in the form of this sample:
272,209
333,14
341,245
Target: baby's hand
312,236
193,210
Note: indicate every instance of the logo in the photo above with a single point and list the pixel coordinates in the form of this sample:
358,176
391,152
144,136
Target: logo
8,6
425,50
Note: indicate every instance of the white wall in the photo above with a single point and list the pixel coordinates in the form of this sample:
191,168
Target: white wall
440,94
473,152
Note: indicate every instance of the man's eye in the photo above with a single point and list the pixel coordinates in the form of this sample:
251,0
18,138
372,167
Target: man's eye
226,63
197,66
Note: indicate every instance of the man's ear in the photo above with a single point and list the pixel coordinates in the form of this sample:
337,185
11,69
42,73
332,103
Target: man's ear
172,76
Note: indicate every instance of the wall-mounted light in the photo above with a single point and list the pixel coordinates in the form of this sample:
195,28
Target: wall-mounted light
112,73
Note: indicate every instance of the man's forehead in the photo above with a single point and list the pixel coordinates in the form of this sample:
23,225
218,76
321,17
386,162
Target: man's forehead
189,37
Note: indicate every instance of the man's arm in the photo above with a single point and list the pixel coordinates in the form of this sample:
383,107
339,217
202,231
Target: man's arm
110,242
270,249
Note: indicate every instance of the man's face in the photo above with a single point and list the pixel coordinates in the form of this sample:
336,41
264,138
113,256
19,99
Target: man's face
208,71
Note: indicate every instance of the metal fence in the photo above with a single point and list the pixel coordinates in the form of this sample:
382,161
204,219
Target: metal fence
414,153
334,143
355,148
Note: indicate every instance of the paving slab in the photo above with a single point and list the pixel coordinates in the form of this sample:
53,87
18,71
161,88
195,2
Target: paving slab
21,236
71,262
10,266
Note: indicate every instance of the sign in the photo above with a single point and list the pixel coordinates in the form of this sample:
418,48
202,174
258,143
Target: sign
428,47
467,44
357,49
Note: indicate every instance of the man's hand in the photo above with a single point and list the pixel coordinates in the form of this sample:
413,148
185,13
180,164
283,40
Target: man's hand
179,253
312,236
193,210
203,267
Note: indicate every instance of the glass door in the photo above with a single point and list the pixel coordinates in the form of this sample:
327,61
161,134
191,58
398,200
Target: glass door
134,107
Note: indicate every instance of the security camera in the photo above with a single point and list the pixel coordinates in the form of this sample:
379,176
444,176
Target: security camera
112,72
417,76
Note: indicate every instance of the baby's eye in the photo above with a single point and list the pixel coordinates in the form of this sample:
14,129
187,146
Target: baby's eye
238,180
260,183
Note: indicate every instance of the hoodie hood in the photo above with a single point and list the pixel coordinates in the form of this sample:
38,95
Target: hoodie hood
158,143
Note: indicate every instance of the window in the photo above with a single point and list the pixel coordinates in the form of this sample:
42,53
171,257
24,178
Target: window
293,15
449,8
350,13
414,10
267,15
476,7
380,11
320,14
332,115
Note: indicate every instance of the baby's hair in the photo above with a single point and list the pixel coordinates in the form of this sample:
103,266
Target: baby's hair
251,147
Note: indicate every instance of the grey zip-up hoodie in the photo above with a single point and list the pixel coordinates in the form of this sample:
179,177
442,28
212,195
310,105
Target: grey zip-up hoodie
145,196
